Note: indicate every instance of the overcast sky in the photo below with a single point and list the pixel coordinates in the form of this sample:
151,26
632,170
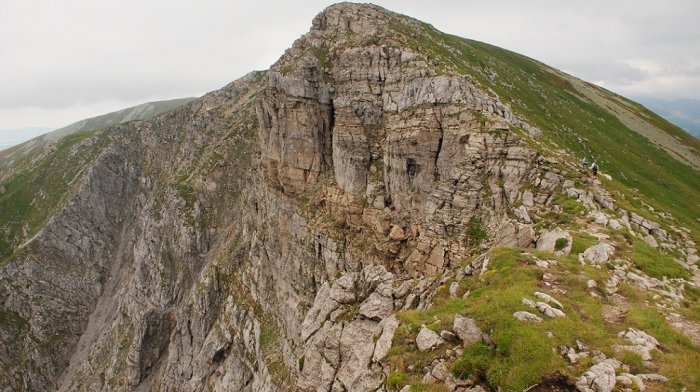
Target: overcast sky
65,60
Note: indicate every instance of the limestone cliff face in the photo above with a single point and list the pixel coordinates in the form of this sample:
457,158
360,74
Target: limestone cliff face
262,237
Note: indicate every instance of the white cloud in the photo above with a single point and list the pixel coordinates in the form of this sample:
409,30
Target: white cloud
61,61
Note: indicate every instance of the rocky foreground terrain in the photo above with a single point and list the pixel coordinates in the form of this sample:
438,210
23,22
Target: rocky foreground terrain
387,208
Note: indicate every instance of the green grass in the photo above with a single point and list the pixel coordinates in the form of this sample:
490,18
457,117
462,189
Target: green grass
475,234
678,358
37,190
560,244
653,262
13,319
519,354
522,352
395,380
581,241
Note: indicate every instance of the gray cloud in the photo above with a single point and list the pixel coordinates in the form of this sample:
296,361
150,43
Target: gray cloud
63,61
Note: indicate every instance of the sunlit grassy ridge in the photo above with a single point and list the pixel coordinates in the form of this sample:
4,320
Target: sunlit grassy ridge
570,120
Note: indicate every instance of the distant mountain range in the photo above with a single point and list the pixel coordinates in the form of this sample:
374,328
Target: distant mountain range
684,113
9,138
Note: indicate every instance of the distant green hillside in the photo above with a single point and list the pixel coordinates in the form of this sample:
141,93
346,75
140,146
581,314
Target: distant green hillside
139,112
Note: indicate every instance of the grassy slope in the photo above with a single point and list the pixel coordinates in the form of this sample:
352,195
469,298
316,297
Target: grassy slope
522,354
571,121
37,190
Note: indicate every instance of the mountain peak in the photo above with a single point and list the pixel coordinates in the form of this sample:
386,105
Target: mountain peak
387,207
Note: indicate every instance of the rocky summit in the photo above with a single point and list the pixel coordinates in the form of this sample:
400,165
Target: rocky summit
387,208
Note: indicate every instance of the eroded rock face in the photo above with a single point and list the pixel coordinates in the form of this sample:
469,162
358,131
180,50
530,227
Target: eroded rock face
284,217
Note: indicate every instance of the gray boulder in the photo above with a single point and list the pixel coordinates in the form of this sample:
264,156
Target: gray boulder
527,316
427,339
599,253
548,242
467,330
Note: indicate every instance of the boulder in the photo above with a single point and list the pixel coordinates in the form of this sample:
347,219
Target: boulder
614,224
522,214
598,218
599,253
528,302
467,330
548,242
527,316
377,306
427,339
549,311
631,381
548,298
440,372
651,241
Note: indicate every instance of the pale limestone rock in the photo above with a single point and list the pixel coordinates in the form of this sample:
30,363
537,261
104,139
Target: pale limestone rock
528,302
467,330
527,316
522,215
653,377
630,380
453,289
547,241
614,224
548,298
515,234
427,339
455,384
651,241
441,372
598,218
599,378
357,348
549,311
642,343
599,253
388,328
377,306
